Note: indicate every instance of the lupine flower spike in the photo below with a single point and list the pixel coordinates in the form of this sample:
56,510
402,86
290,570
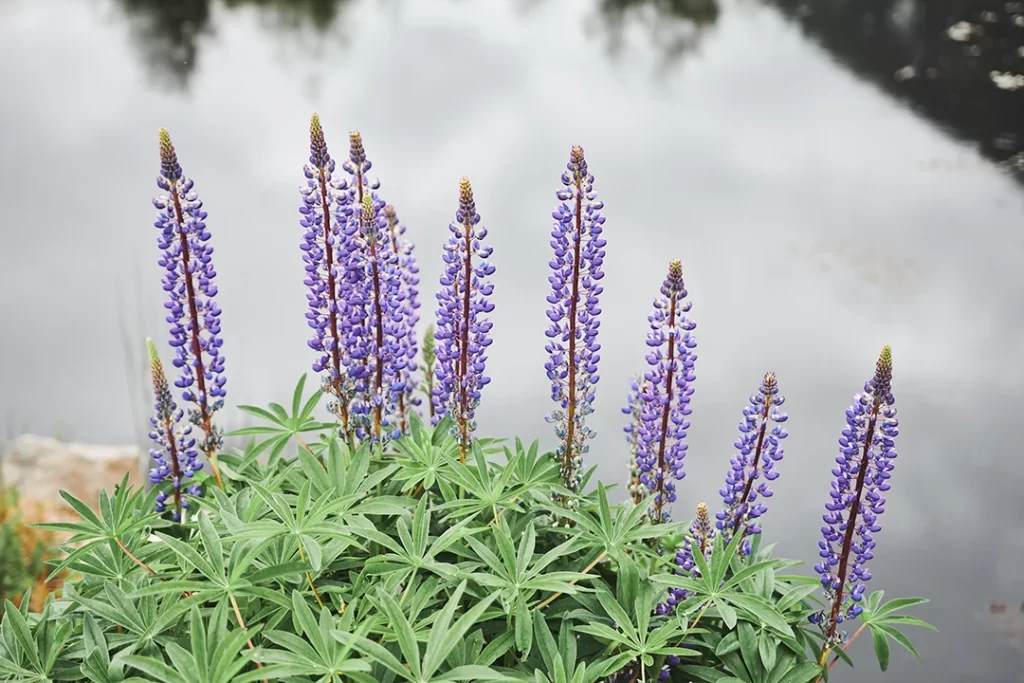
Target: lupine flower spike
192,310
324,254
759,449
463,331
429,359
665,395
578,245
348,197
408,296
634,405
700,538
863,468
377,330
174,449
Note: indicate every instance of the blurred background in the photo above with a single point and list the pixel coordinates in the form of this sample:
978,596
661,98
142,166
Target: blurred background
834,176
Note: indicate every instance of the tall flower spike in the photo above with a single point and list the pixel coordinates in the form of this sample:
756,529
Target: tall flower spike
192,311
463,331
429,359
377,328
408,295
701,538
174,449
867,449
665,398
323,253
575,278
759,449
634,406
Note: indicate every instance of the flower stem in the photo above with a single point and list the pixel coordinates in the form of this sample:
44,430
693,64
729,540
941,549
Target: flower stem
134,559
309,578
742,502
570,431
197,350
574,581
241,625
378,315
463,416
332,292
851,525
172,451
660,495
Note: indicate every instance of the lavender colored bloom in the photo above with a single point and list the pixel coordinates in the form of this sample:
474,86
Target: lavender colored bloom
665,396
174,452
863,468
409,280
192,311
575,291
463,331
324,254
376,328
759,449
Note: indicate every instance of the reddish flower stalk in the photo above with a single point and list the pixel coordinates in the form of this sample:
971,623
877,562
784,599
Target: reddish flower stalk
864,467
192,311
578,246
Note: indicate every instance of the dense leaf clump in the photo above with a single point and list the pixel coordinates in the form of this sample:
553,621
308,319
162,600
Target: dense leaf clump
318,562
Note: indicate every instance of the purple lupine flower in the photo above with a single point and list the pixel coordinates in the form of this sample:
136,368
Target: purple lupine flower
634,406
174,452
377,330
463,333
863,468
665,398
575,292
192,311
409,281
324,254
701,537
348,196
759,449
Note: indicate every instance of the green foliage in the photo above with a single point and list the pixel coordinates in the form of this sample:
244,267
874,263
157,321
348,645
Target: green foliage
24,552
320,562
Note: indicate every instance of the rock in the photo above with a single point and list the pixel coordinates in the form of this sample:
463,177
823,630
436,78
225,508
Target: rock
40,467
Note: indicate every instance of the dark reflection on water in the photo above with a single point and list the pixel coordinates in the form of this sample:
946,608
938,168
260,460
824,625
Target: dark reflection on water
169,35
902,46
906,48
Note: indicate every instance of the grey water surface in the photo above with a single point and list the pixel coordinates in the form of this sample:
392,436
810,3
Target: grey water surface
821,206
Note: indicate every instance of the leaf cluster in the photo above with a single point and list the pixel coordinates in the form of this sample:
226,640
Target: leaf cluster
328,563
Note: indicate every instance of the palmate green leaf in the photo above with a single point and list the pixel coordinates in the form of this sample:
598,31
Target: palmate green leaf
283,427
318,654
796,596
15,624
531,470
801,673
636,636
763,612
420,460
485,491
517,572
123,518
882,619
613,532
216,655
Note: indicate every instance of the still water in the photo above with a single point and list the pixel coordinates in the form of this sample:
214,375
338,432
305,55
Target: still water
821,208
